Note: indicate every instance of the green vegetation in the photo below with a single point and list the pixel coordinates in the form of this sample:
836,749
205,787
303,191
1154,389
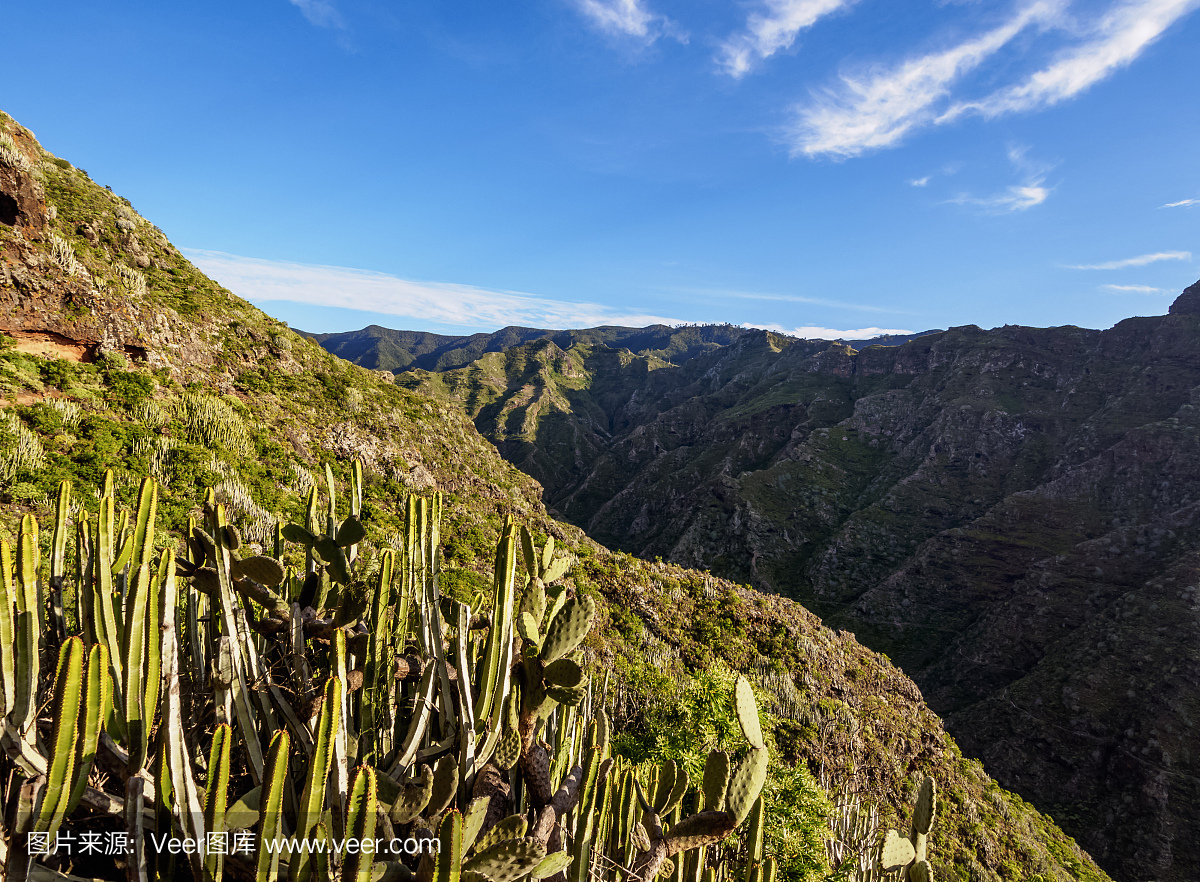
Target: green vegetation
425,682
197,389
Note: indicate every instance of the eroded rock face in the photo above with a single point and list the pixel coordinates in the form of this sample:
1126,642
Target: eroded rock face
22,199
81,274
1187,303
1012,515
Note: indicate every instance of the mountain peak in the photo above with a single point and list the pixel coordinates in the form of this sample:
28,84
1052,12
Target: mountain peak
1187,303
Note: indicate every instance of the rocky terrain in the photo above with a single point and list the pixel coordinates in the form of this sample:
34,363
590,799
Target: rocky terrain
116,353
1009,514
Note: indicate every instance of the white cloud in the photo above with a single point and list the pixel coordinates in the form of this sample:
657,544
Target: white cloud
812,332
920,182
1135,289
739,294
878,107
1181,203
1114,42
1020,197
1141,260
464,306
322,13
628,18
773,31
1017,197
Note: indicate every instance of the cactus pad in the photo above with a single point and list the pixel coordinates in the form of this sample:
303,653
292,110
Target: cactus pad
564,672
414,796
568,628
533,601
920,872
447,864
445,785
264,570
351,532
527,628
641,839
508,750
897,851
745,784
667,773
677,791
926,807
473,819
299,535
506,861
568,695
551,864
529,552
512,827
700,829
556,570
716,780
747,714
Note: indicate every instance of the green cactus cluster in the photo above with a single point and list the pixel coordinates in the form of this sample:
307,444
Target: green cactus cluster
327,690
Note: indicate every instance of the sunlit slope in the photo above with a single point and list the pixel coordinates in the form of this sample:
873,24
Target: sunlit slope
119,354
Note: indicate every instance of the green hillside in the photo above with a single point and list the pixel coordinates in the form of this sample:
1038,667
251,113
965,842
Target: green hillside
118,354
397,351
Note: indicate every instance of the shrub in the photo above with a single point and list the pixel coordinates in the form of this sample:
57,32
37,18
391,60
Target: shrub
56,373
129,388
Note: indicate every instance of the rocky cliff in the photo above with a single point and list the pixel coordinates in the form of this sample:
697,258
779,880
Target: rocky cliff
1011,515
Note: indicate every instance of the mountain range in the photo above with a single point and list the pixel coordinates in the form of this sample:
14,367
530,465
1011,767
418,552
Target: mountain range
116,353
1011,515
397,351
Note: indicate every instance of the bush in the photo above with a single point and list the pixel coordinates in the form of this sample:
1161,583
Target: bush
56,373
128,388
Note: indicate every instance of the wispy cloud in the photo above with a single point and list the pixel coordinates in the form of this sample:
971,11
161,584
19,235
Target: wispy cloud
1141,260
461,306
920,182
1016,198
629,18
878,106
1113,42
813,332
772,31
737,294
322,13
1181,203
1135,289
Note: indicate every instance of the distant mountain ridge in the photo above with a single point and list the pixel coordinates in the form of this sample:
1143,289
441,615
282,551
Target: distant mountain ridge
384,349
1012,515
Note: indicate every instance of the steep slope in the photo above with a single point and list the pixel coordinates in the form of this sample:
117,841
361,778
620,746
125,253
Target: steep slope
1009,514
118,354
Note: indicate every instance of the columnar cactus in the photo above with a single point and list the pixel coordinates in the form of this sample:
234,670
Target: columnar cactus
343,698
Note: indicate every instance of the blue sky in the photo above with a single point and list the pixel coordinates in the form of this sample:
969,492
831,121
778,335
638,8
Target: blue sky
823,167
